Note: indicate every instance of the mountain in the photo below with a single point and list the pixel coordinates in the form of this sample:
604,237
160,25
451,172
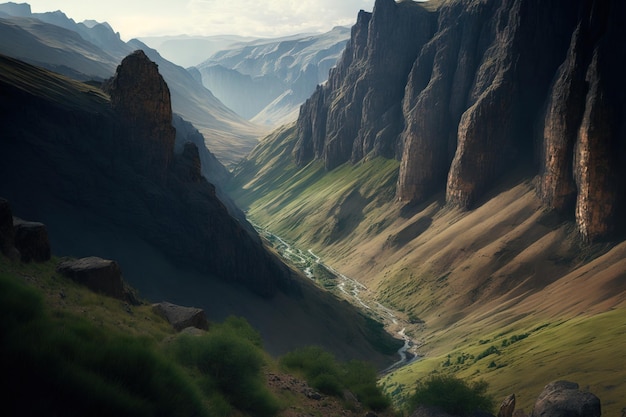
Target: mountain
480,89
188,51
267,80
92,52
102,171
473,187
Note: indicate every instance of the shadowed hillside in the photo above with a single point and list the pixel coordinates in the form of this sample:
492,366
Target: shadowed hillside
92,52
102,173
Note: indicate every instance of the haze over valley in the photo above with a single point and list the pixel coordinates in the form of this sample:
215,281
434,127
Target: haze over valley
435,189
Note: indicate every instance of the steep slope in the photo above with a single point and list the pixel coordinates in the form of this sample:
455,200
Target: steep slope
266,80
465,279
479,90
82,52
103,174
495,231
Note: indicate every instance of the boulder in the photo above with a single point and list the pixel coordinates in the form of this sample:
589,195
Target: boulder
182,317
564,399
7,233
100,275
31,240
507,407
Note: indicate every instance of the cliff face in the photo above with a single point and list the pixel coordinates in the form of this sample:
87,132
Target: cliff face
142,100
464,93
358,110
87,167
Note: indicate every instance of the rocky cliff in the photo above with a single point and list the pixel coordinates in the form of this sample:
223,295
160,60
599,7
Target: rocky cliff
266,80
68,149
465,91
141,98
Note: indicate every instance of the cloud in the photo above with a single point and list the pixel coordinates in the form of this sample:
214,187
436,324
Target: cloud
273,17
212,17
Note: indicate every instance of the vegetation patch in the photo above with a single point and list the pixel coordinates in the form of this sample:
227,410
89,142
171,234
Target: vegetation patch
331,377
78,353
453,395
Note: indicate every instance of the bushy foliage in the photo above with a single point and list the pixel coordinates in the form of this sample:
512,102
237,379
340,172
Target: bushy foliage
331,377
453,395
65,365
229,361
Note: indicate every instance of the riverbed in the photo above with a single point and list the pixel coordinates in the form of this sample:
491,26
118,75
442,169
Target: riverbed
350,289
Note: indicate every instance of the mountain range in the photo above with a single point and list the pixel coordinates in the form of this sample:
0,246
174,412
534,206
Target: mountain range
189,51
475,186
266,80
93,51
112,172
462,167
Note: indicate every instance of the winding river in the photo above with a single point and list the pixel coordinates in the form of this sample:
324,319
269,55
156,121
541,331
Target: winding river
348,288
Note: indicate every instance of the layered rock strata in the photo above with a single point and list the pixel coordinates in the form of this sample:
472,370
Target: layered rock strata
466,92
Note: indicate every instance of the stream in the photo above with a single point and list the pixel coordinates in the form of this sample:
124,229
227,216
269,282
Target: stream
325,276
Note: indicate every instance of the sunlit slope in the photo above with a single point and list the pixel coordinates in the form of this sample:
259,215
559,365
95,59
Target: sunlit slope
504,268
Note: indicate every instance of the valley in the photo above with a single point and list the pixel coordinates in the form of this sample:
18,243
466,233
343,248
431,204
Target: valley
461,281
351,290
438,191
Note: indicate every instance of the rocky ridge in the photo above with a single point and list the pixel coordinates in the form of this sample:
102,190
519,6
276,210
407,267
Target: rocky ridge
477,89
138,180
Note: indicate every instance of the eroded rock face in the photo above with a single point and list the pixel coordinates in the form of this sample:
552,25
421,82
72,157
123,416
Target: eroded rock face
7,233
564,399
141,98
31,240
99,275
583,134
181,317
358,111
484,87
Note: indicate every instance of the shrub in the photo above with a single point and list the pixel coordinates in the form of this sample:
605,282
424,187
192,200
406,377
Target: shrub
229,361
330,377
453,395
74,368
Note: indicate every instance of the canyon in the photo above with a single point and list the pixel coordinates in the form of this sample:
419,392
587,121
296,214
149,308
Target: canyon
477,89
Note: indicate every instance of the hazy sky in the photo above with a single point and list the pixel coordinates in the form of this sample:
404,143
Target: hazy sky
135,18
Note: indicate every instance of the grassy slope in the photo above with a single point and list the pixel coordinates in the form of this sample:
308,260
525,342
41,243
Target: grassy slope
75,318
507,267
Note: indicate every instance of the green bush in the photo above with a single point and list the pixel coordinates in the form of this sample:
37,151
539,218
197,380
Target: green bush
73,368
453,395
330,377
229,362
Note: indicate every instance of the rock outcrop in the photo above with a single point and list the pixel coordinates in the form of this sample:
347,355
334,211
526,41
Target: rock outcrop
465,93
507,407
22,240
68,147
358,110
7,232
103,276
141,98
564,399
31,240
181,317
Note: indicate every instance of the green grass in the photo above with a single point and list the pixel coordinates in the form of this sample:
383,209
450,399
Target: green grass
530,354
68,351
331,377
311,206
335,212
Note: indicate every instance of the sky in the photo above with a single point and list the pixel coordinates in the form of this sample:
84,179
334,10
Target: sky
259,18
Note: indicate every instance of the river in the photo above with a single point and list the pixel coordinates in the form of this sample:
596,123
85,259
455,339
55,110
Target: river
350,289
